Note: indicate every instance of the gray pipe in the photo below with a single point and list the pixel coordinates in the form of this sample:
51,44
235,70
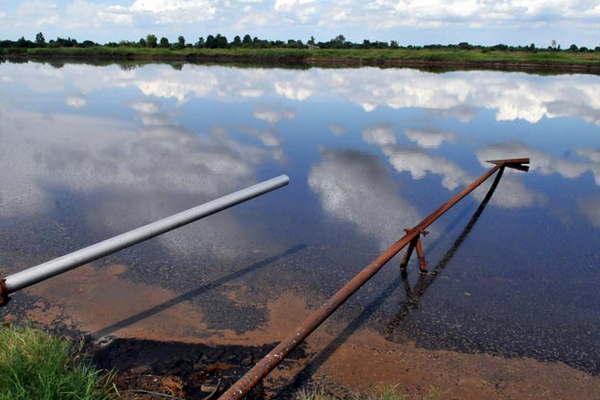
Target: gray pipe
78,258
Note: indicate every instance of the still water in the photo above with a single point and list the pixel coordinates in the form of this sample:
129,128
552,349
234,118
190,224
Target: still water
88,151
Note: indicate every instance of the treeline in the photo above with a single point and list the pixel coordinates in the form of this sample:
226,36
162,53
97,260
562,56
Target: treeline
221,42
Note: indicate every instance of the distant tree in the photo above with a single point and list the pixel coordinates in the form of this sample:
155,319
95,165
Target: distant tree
180,42
22,42
553,44
142,42
151,41
221,41
583,49
211,43
465,45
40,40
573,47
311,41
532,46
164,42
247,40
394,44
597,48
201,42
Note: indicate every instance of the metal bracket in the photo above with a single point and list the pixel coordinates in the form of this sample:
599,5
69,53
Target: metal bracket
514,163
3,293
421,256
417,244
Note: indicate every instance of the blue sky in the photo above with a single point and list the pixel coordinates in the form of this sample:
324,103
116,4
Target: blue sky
407,21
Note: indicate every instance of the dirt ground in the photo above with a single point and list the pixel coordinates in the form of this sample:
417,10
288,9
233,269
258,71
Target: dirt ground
356,362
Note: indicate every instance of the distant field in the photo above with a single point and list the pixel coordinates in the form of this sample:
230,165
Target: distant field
385,57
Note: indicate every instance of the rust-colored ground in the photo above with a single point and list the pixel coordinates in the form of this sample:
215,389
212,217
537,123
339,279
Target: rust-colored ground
364,360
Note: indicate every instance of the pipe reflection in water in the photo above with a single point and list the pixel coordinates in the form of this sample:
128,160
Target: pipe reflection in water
413,294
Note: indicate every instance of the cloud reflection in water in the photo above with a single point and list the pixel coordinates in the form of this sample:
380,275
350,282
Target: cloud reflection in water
92,157
354,187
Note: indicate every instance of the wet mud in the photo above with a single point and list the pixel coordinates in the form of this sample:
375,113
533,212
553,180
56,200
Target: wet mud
175,351
190,371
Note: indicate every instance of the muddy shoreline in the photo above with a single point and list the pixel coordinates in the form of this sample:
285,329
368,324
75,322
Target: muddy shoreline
190,371
186,370
302,62
167,355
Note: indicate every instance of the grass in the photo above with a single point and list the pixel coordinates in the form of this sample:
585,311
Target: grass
314,56
384,393
37,366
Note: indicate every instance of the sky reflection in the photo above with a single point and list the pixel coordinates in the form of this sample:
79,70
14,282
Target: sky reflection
99,150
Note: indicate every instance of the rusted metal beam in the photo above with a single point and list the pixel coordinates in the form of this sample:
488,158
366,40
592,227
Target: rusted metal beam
406,258
421,256
317,317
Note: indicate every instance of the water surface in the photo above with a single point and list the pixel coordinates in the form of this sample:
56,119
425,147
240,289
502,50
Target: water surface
91,151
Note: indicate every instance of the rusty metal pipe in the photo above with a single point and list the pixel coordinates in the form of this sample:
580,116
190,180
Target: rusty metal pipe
421,256
317,317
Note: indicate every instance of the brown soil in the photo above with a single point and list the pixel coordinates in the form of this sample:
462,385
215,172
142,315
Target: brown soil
365,359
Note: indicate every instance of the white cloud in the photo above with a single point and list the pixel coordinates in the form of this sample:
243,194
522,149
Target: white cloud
380,135
175,11
345,181
435,13
591,154
429,139
417,162
510,96
146,107
542,162
76,101
291,5
292,92
272,116
251,93
383,18
125,163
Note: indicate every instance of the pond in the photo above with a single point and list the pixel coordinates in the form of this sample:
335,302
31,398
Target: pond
91,151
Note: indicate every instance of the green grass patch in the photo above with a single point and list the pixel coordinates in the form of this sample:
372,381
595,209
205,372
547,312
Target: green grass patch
451,55
37,366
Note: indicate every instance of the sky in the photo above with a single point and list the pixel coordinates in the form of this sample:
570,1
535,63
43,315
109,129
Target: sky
420,22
